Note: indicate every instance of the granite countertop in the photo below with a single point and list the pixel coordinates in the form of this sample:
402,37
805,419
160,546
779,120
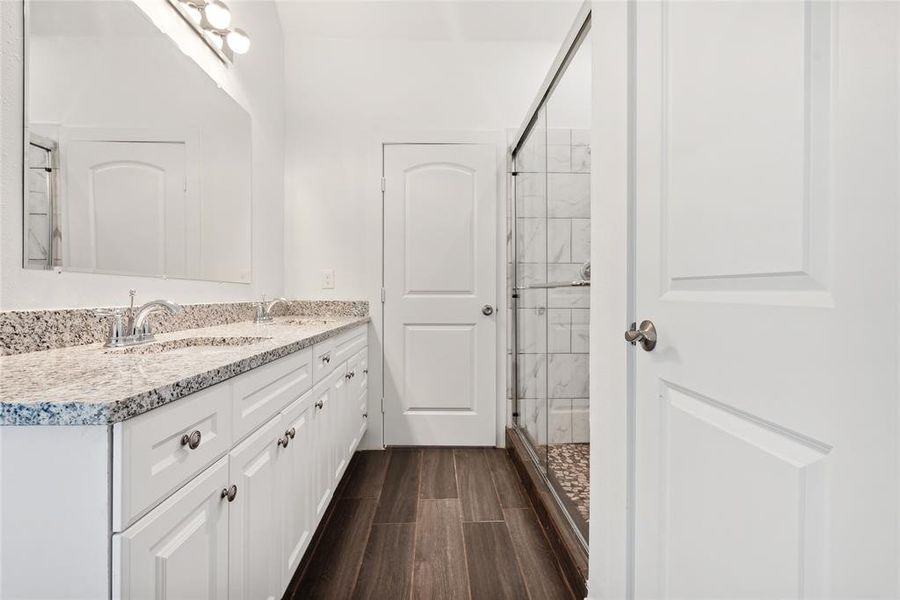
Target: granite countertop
93,385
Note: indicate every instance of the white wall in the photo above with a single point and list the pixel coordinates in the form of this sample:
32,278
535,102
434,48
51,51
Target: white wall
255,81
345,95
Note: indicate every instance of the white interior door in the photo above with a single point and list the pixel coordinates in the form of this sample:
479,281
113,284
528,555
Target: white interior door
766,418
125,208
440,205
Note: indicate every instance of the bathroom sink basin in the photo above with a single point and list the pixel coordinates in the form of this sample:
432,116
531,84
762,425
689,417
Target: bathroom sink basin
201,343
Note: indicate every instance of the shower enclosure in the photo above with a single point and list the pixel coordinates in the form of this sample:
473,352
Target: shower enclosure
550,278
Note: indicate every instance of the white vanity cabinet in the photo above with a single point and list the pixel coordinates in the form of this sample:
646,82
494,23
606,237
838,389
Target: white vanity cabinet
180,549
237,524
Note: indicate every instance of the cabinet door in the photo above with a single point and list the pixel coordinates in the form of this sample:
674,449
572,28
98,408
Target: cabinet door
296,475
360,400
254,535
179,549
321,454
337,421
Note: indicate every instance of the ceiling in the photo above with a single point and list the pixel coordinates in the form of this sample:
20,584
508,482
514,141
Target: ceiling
430,20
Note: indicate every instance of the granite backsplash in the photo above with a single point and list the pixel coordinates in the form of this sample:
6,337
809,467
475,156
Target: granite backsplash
33,330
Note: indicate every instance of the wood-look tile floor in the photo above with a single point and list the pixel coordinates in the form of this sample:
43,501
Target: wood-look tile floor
437,523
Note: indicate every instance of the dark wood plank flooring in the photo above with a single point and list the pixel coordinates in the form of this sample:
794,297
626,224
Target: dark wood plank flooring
436,523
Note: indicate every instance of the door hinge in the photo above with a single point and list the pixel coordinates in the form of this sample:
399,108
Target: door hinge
382,295
383,184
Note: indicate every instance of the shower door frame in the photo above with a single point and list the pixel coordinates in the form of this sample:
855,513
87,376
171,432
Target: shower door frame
572,43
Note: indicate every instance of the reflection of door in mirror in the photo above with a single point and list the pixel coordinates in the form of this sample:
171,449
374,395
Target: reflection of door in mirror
126,209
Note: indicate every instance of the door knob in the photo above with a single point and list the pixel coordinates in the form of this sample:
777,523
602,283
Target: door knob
487,310
645,334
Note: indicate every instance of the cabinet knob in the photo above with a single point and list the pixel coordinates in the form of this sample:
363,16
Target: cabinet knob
284,441
230,493
365,371
291,432
326,359
320,404
365,415
348,376
191,440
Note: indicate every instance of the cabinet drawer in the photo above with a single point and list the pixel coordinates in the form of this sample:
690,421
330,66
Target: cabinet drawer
348,344
180,548
263,392
323,360
152,457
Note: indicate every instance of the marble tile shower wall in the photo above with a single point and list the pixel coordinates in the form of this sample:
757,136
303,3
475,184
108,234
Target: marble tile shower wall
553,214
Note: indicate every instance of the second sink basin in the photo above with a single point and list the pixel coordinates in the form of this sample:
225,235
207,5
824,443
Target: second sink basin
194,342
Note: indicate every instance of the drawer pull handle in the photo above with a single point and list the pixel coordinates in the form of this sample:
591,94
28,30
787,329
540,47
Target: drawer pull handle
326,359
284,441
320,404
365,415
365,371
291,432
348,376
191,440
230,493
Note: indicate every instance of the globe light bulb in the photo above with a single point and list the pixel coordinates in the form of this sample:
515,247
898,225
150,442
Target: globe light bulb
217,14
238,41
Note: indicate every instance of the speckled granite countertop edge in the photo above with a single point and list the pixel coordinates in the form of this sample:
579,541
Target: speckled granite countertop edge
61,413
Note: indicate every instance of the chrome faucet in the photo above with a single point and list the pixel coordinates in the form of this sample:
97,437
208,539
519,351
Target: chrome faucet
140,326
138,330
263,309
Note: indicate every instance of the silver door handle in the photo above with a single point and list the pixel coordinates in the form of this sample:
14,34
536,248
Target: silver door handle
645,334
487,310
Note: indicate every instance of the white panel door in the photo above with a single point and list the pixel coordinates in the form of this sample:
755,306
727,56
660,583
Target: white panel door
295,469
125,208
766,224
440,206
254,527
179,550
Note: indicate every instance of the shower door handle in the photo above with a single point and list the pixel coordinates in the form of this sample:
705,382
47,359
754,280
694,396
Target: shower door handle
487,310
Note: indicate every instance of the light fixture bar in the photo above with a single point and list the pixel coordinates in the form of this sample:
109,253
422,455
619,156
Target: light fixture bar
211,19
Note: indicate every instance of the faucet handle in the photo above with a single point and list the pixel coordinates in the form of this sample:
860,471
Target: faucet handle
116,324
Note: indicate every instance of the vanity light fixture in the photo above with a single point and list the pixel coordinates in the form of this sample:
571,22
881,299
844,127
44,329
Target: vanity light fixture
211,19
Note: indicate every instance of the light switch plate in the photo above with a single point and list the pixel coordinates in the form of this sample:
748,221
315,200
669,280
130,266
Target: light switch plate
327,279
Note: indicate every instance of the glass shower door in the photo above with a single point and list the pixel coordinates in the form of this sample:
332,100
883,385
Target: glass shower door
552,225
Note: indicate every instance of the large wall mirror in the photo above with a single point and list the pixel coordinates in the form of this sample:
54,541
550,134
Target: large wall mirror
136,162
